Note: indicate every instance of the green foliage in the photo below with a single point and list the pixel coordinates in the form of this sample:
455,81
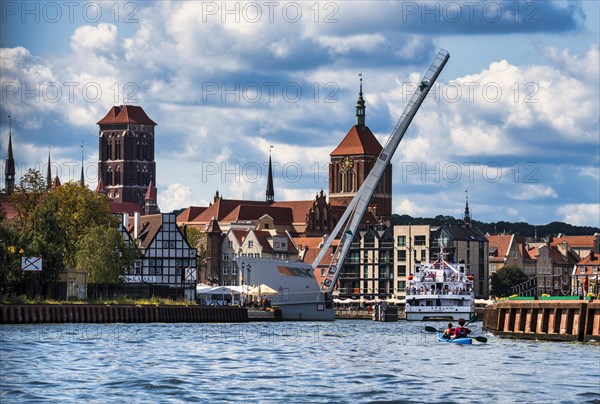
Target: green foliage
78,210
28,195
505,278
197,239
46,239
103,253
10,257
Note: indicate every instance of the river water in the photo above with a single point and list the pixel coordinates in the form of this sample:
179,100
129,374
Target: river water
343,361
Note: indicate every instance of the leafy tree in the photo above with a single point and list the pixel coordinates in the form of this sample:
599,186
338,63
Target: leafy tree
10,256
46,239
28,195
78,209
505,278
103,253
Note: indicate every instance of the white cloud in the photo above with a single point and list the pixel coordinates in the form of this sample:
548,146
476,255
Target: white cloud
343,45
177,196
580,214
533,191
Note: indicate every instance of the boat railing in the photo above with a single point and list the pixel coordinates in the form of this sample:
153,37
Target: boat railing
434,292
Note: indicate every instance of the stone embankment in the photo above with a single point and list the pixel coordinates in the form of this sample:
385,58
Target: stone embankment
568,320
99,313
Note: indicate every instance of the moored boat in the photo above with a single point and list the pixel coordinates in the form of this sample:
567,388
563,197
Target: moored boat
439,291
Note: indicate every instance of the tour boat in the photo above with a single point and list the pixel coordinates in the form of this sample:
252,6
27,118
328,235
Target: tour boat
464,340
439,291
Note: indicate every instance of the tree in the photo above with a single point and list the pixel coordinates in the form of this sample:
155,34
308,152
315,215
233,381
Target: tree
28,195
103,253
77,210
46,239
505,278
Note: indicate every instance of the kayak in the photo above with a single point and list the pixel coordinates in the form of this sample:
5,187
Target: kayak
465,340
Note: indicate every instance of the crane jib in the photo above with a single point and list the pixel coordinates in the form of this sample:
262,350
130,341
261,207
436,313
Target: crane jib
355,210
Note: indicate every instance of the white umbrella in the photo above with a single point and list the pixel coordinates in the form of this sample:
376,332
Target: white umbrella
263,290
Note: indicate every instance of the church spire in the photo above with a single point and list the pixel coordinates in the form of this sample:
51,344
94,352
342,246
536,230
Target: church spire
360,106
467,216
270,188
82,180
9,168
49,173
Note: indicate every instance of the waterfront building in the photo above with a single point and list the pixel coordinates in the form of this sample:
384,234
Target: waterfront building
553,269
412,244
581,245
585,278
262,242
167,258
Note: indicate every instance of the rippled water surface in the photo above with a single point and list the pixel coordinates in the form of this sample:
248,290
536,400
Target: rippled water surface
345,361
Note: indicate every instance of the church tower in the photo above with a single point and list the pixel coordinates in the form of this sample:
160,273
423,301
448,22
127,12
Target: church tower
126,163
351,163
9,167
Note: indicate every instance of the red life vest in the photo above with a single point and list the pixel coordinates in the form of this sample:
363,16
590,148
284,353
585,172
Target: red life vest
461,332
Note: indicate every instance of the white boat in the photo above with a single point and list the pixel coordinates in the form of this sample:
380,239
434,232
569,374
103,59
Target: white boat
299,295
439,291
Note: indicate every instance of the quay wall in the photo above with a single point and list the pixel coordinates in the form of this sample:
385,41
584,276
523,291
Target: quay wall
567,320
99,313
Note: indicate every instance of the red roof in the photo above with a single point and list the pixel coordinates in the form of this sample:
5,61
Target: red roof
586,265
359,140
299,209
126,114
150,226
124,207
502,243
254,212
190,213
575,241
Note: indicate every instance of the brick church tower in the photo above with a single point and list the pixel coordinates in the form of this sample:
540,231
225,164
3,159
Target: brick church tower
352,161
126,165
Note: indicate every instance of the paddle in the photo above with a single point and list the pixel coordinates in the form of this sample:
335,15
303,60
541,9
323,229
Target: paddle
433,329
474,318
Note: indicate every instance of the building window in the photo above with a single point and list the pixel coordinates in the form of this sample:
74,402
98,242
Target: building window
420,240
283,244
401,255
250,243
229,244
225,271
492,268
233,271
225,257
234,283
276,244
401,285
401,270
401,241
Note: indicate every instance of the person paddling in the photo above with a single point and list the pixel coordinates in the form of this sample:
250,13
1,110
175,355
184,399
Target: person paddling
461,331
448,331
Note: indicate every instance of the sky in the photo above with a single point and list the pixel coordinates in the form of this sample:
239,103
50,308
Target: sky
513,119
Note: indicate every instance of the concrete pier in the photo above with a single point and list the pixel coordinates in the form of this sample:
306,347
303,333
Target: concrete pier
98,313
568,320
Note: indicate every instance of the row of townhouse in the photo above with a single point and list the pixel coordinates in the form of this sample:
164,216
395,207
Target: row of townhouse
550,263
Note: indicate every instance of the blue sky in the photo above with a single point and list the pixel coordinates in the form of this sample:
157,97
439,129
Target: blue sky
513,120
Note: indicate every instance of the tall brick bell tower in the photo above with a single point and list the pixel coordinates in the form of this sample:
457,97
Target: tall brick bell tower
126,163
351,163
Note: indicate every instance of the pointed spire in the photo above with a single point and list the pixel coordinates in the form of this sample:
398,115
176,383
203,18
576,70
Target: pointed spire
82,180
270,189
100,188
151,206
467,216
9,167
360,106
49,173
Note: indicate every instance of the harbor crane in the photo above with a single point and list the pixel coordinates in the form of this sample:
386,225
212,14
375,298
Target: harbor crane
354,212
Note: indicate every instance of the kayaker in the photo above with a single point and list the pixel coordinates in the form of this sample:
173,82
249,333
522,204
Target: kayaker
461,331
448,331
